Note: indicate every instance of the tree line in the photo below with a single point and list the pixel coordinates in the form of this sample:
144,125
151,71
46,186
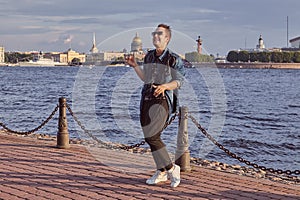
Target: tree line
15,57
275,56
196,57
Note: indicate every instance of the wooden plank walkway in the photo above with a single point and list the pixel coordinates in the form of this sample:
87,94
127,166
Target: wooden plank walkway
36,169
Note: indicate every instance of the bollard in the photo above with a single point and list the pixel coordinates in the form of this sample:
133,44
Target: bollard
62,134
182,155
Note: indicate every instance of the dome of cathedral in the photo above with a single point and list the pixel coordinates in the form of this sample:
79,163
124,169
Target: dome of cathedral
136,44
137,39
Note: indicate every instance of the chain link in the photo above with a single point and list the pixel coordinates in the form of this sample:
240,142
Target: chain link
125,147
206,134
81,126
171,120
143,142
95,138
233,155
33,130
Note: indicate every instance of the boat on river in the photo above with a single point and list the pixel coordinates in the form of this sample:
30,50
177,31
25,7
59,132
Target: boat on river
117,64
40,61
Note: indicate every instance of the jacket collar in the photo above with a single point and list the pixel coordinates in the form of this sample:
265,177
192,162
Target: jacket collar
163,54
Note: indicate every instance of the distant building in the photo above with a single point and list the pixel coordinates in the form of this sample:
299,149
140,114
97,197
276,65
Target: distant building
103,58
259,47
220,59
261,44
199,45
99,58
295,42
71,54
94,58
137,48
2,57
68,56
94,47
136,44
111,56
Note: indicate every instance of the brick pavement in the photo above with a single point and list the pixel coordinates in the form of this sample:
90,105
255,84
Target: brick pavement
36,169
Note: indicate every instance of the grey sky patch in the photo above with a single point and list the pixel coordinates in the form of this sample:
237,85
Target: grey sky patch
223,26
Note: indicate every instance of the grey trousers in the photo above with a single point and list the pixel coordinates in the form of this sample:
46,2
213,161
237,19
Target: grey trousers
153,116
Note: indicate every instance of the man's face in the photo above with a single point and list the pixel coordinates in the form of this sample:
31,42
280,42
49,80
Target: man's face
160,38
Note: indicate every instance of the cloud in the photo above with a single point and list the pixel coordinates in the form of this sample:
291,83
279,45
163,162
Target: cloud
68,39
222,25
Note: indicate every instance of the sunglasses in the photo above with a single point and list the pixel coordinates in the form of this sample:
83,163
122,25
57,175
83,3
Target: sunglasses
159,33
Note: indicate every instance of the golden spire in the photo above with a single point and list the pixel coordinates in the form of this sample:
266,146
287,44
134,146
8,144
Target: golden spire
94,47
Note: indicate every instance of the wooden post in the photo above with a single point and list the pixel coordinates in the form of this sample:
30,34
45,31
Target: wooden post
62,134
182,155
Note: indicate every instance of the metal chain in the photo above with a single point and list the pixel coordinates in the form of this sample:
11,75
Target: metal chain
95,138
81,126
171,120
33,130
233,155
143,142
127,147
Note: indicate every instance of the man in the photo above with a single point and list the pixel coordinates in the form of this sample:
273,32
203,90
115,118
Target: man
162,74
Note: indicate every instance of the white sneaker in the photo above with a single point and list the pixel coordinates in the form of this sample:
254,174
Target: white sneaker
159,176
174,175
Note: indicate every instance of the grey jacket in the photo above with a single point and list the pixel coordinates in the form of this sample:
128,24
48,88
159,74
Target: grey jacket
163,69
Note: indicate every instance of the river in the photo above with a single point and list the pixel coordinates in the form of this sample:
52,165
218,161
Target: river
255,113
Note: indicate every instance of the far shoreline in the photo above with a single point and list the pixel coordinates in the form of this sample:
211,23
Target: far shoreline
250,65
238,65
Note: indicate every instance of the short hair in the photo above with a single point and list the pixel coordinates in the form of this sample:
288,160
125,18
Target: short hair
168,28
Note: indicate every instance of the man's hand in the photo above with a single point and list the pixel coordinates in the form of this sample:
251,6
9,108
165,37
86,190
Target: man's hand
159,90
130,60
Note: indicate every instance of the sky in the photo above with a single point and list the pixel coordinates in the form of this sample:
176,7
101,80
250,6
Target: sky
224,25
